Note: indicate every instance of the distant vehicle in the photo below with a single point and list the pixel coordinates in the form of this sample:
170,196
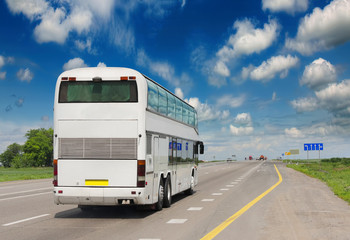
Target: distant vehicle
262,157
121,138
250,158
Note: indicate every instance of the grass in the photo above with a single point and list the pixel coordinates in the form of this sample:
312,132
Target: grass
334,172
13,174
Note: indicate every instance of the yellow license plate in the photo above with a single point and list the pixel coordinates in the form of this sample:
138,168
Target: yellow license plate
96,182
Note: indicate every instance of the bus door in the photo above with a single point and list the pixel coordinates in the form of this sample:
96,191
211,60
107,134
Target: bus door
173,164
156,167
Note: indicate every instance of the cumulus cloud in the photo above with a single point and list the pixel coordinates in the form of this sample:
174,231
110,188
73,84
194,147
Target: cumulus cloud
336,98
238,131
289,6
25,75
322,29
293,133
207,112
101,64
231,101
85,45
244,122
2,63
318,74
248,39
268,69
74,63
179,93
243,119
305,104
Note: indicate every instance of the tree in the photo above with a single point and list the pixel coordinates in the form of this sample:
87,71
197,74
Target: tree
38,149
12,150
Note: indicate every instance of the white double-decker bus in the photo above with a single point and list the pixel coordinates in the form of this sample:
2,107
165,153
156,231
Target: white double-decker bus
121,138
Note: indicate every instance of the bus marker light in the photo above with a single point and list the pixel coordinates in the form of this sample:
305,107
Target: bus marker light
124,78
60,191
133,192
72,78
64,79
132,78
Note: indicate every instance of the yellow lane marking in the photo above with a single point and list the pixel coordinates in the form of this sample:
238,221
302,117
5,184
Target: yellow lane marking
96,182
230,220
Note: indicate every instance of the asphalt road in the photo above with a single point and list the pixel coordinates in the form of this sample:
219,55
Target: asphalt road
298,208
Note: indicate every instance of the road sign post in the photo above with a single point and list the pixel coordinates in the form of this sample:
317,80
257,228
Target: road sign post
313,147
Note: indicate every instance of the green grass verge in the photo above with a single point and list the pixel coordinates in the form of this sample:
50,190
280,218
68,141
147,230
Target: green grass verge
13,174
335,174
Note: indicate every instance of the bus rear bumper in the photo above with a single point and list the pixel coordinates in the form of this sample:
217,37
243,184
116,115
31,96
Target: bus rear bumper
98,196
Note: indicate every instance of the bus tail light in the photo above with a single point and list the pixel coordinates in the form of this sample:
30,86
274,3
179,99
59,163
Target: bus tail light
141,170
55,173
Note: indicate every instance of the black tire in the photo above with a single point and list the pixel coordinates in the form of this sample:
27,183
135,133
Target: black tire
167,193
159,204
190,191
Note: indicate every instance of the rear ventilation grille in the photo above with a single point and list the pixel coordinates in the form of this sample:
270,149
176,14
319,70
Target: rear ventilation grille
98,148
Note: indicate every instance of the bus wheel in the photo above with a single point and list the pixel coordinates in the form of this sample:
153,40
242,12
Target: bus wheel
159,204
190,191
167,193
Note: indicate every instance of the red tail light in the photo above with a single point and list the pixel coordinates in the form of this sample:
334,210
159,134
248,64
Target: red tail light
55,172
141,173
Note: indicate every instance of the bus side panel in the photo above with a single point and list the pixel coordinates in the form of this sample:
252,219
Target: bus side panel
116,173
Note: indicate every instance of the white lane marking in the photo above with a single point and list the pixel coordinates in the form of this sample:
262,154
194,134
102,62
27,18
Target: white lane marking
177,221
208,200
206,173
238,180
224,189
229,186
194,209
24,220
217,194
24,196
234,183
33,190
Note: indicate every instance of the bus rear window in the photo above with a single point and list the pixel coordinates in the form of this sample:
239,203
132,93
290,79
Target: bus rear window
98,92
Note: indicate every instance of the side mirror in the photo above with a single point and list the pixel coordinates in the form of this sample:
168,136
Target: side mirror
201,148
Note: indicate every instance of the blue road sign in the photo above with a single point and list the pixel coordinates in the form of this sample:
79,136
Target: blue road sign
313,146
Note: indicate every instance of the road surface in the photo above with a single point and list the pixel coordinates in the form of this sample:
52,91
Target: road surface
299,207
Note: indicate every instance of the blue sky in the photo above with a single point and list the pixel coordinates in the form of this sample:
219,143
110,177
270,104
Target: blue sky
265,76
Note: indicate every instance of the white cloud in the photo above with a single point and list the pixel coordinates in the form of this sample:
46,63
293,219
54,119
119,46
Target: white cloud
289,6
322,29
25,75
164,70
84,45
2,63
179,93
207,112
293,133
30,8
268,69
318,74
248,39
74,63
101,64
238,131
305,104
243,119
231,101
336,98
221,69
274,96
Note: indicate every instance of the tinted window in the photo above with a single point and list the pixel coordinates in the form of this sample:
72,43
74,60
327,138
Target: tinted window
89,92
152,96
